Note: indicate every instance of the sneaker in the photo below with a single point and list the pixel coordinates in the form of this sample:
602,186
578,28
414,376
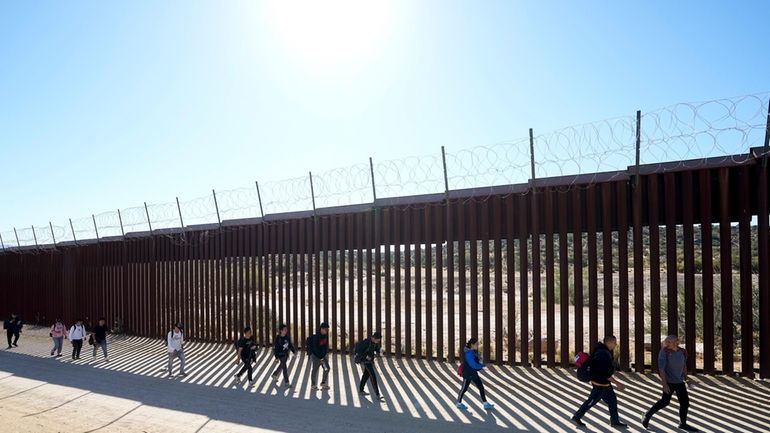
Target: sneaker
251,382
15,345
9,347
58,355
275,375
182,374
686,427
287,384
462,406
646,422
488,405
380,398
619,424
52,353
106,359
323,386
577,422
170,376
363,392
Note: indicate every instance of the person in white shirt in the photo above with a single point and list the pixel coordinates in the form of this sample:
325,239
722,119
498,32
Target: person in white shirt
77,334
175,343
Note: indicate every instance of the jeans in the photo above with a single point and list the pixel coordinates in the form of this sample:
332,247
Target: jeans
247,367
603,393
369,374
466,383
681,394
176,354
103,345
318,363
76,346
282,368
10,337
57,345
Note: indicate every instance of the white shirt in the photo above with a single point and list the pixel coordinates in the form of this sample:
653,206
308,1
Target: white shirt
77,332
175,341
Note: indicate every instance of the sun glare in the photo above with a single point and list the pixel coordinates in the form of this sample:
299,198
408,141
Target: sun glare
330,33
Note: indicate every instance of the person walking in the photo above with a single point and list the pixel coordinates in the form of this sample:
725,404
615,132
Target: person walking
672,364
365,352
281,347
469,370
247,348
100,338
77,334
317,349
175,346
602,370
12,328
57,333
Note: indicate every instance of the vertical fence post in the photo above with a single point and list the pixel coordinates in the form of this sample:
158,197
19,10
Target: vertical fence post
34,236
764,253
147,212
259,198
18,244
120,220
312,191
96,229
53,236
446,177
2,243
371,170
532,155
216,207
179,209
74,238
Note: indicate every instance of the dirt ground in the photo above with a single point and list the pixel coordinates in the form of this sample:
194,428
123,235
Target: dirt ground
39,393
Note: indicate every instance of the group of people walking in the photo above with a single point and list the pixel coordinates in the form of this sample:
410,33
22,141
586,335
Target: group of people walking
598,368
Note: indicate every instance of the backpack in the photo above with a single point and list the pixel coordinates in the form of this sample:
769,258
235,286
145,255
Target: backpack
309,344
460,369
583,362
358,356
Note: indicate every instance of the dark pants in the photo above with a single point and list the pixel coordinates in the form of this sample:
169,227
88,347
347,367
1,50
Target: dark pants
282,368
247,367
601,393
467,383
681,394
16,337
10,337
76,346
369,374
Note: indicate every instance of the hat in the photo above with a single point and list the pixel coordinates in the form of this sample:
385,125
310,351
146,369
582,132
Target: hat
324,325
180,325
377,335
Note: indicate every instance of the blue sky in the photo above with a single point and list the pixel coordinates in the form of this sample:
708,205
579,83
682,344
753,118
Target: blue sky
105,105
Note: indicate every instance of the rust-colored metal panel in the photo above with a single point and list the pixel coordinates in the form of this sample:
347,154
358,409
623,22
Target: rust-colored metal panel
537,290
325,247
550,296
747,309
524,204
367,245
764,270
473,210
360,274
308,327
510,286
417,224
341,245
653,193
497,216
607,255
577,254
704,188
638,238
376,245
428,225
397,236
593,286
351,340
669,181
623,318
450,286
564,357
486,333
726,271
461,269
439,219
408,281
307,273
689,264
387,233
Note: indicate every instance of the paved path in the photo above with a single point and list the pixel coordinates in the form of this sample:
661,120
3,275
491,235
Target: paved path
130,394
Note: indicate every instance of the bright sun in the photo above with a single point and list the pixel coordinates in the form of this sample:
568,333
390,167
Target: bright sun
331,32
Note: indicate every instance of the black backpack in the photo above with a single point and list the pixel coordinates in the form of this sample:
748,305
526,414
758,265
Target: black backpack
584,371
309,344
359,352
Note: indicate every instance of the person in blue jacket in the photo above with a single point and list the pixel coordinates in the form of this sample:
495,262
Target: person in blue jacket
471,365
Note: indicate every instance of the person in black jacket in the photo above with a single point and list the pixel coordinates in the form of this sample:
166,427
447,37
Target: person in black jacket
281,348
318,348
247,347
602,371
366,350
12,328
